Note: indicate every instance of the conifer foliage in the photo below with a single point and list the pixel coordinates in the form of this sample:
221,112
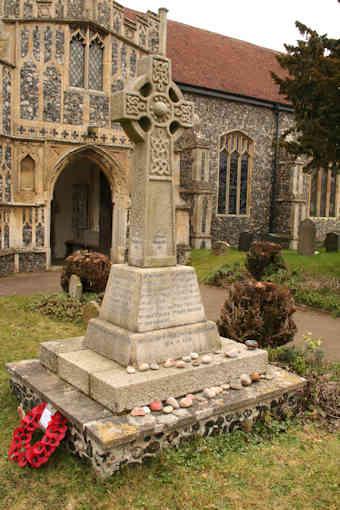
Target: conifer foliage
312,85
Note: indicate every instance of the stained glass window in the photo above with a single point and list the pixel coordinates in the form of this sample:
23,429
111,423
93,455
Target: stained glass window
244,184
322,198
235,158
222,183
77,62
332,198
96,56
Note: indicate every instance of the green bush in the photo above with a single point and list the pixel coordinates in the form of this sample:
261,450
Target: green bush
62,307
259,311
226,274
264,259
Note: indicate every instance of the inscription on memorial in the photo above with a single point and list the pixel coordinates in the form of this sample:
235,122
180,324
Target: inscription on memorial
154,300
169,300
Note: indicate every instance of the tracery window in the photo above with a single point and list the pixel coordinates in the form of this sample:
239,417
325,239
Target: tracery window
236,152
323,194
86,60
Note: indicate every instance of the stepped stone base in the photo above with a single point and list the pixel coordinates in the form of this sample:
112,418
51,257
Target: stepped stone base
109,384
129,348
110,441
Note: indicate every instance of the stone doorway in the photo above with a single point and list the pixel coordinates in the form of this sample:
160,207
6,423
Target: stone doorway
81,210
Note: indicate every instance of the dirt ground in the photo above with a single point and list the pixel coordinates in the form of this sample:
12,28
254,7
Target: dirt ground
320,324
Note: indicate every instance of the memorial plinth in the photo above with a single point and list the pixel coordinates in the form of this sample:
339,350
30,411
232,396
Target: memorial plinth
151,315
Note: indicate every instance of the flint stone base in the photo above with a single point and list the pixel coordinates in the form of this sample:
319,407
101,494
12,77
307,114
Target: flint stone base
110,442
109,384
129,348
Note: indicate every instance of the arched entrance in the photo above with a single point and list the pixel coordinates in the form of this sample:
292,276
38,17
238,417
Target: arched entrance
81,208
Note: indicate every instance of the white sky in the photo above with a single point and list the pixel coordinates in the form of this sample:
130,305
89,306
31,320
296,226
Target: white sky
269,23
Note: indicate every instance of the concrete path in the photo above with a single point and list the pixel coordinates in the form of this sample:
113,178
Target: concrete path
320,324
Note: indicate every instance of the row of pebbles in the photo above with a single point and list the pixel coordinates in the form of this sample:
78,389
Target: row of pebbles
194,359
171,405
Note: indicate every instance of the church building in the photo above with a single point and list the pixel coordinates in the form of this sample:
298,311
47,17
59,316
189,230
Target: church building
65,167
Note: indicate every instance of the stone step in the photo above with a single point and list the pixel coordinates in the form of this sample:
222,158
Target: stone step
109,384
110,441
129,348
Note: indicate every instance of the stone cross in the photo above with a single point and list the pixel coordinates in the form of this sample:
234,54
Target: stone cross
153,113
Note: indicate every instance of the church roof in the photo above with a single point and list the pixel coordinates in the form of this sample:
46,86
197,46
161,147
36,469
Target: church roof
213,61
209,60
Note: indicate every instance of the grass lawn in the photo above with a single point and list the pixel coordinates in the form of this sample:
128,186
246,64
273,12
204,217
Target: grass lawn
298,469
323,263
314,279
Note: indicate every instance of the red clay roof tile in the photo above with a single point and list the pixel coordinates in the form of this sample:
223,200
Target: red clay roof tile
217,62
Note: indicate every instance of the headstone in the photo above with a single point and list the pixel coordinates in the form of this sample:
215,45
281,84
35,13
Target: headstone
245,240
75,288
332,242
307,234
220,248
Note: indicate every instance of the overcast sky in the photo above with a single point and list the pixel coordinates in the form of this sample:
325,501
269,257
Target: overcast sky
269,23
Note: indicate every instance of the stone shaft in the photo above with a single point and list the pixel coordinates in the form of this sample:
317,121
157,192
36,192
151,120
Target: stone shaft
153,114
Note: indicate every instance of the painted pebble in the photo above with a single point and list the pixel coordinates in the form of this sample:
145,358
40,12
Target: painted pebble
180,364
169,363
138,411
186,359
209,393
168,409
156,405
251,344
194,355
206,359
131,370
154,366
185,402
196,363
255,377
143,367
172,402
245,380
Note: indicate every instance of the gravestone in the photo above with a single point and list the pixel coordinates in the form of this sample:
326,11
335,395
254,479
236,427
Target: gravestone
75,287
332,242
307,234
220,248
245,240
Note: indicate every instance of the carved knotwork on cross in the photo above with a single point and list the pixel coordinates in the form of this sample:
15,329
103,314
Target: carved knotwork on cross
154,114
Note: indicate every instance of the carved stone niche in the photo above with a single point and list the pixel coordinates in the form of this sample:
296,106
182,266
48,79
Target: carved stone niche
44,8
27,174
27,179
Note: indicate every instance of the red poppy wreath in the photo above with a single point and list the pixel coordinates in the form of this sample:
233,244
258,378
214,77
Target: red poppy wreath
21,450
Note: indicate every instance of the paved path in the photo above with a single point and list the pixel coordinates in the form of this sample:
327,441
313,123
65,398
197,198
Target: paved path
320,324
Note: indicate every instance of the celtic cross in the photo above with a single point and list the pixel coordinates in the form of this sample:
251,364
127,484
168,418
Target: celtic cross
153,113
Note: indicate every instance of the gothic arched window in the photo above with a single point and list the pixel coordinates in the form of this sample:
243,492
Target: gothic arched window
86,60
77,60
96,60
236,151
322,193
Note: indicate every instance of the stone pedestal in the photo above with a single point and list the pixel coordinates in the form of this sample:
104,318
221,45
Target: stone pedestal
151,315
